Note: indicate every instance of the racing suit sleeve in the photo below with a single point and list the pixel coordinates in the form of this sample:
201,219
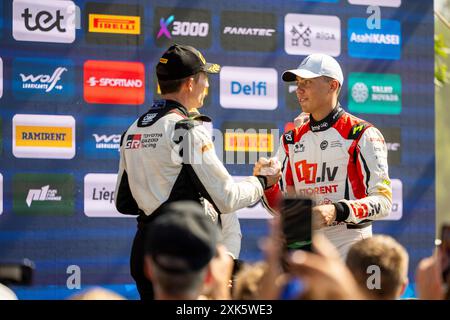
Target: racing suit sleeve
124,200
231,234
368,179
227,195
273,196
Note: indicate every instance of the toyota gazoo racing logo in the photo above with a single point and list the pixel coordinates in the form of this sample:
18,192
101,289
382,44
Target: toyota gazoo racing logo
181,28
46,82
44,21
115,82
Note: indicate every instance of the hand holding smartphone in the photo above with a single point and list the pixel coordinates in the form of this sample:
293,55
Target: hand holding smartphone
296,223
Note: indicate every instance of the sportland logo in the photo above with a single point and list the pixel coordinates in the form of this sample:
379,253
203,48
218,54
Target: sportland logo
44,21
375,93
305,34
182,26
43,136
114,82
248,88
99,193
42,194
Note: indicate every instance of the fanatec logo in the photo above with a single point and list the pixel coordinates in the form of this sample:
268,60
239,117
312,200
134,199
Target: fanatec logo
43,81
248,31
43,194
47,21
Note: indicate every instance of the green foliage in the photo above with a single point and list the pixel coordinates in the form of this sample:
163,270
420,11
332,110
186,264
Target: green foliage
440,68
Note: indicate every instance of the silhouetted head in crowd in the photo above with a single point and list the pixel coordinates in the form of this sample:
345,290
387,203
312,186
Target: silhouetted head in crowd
380,266
181,242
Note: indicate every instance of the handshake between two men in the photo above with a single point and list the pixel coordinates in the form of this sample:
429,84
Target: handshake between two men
322,215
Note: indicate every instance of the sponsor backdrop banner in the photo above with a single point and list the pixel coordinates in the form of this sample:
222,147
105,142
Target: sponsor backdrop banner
75,74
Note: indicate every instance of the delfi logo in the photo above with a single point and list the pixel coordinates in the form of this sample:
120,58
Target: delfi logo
182,26
305,34
249,88
43,79
43,136
99,194
114,82
120,24
383,3
375,93
44,21
384,43
43,194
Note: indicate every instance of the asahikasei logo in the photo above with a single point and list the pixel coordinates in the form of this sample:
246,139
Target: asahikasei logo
383,43
43,79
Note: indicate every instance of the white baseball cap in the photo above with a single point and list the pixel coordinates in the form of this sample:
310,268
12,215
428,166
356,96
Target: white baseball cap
315,65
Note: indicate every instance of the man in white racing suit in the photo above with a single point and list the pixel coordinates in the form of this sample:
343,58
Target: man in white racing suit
165,156
334,158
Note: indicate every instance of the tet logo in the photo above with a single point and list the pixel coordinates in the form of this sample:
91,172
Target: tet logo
114,82
307,172
133,141
46,21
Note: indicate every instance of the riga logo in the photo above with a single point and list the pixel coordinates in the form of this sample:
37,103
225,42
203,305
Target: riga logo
114,82
105,23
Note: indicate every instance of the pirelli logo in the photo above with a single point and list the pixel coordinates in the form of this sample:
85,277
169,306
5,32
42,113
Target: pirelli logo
43,136
105,23
248,142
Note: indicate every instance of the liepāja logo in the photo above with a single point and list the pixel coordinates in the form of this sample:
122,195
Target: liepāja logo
44,21
182,25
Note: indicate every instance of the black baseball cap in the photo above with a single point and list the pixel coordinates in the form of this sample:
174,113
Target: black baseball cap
182,238
180,61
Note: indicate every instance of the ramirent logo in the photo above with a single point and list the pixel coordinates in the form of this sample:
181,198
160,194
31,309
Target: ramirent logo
43,194
249,31
115,82
47,82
